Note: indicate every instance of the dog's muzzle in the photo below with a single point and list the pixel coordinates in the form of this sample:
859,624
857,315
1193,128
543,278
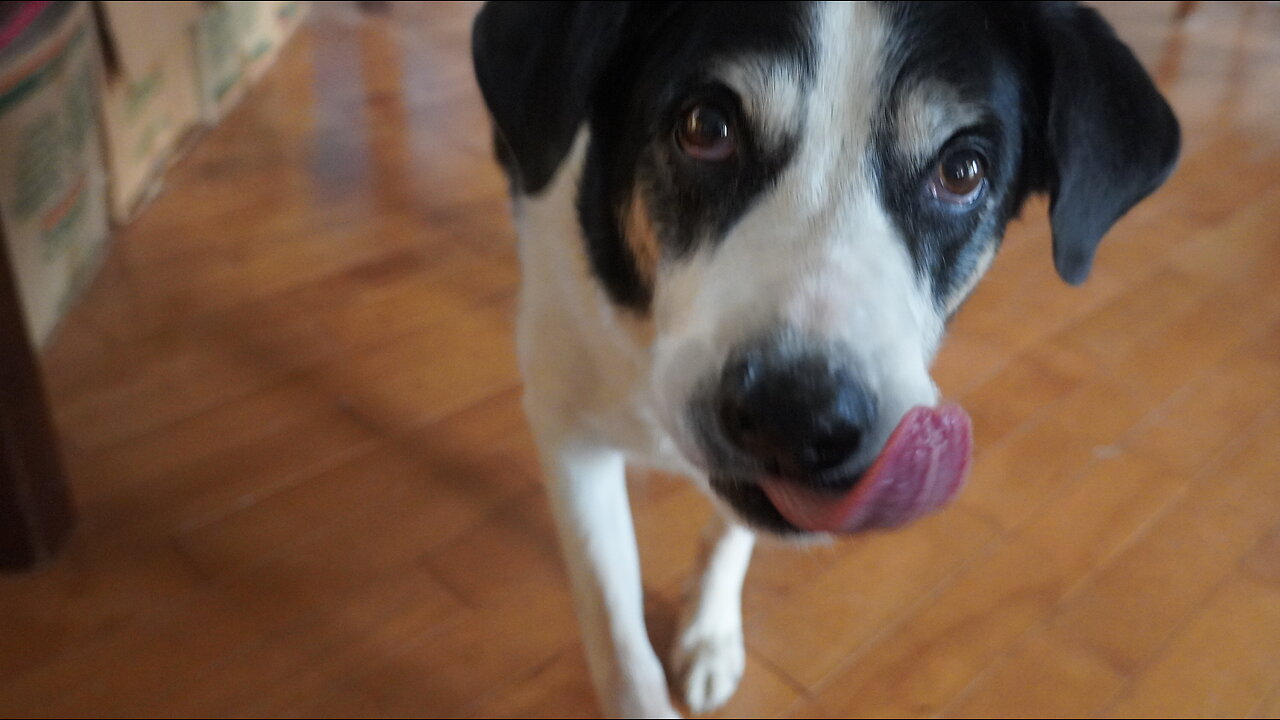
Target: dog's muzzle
801,445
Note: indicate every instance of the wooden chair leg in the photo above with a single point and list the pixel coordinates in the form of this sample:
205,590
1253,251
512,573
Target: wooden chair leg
35,504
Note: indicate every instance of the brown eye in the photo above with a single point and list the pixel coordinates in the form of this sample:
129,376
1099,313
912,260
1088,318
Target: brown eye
705,134
959,178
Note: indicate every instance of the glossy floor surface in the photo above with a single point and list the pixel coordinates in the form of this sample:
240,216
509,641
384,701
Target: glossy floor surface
290,410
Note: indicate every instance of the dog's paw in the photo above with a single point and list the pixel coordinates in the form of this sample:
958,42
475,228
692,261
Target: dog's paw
638,690
708,667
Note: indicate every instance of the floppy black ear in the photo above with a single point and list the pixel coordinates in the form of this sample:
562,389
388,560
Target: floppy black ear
1111,138
537,64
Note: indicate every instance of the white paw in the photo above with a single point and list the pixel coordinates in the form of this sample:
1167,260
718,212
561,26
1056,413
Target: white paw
708,667
638,690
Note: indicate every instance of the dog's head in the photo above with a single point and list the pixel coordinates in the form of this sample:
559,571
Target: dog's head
798,196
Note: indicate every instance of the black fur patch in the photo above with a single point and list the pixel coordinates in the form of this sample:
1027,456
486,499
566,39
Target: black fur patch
1049,78
628,70
750,502
1069,111
954,45
632,123
1063,108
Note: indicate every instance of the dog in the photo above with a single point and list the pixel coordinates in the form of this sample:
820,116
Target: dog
743,229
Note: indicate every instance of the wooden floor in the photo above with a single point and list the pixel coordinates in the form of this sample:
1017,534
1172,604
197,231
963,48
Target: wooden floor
289,405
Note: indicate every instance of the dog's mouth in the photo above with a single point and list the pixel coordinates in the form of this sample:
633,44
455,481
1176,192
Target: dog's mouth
920,469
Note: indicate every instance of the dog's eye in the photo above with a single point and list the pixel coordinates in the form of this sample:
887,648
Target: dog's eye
705,133
959,178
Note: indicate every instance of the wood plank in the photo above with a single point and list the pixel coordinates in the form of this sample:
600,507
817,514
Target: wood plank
917,666
807,630
1186,553
290,407
1043,675
1239,622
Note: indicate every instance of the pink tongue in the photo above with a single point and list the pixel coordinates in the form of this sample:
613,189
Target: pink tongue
921,467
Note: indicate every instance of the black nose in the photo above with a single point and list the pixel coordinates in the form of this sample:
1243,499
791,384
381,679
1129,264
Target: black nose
798,416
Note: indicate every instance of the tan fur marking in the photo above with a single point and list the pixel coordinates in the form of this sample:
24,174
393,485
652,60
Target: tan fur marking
642,239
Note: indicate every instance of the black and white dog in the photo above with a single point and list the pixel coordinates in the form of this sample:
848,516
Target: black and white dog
743,228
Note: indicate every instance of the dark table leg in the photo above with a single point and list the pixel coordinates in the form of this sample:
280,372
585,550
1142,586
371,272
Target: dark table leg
35,504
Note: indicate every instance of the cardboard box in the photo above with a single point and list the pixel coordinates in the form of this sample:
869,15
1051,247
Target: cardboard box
172,67
150,100
219,62
53,213
268,30
235,43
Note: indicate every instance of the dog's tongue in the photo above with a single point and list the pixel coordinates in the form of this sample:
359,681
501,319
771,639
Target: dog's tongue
921,467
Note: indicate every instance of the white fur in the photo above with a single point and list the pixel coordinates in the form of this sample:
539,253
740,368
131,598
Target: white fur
709,655
927,115
816,254
583,369
771,98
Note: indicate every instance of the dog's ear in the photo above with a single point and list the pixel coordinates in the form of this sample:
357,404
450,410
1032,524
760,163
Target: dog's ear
537,64
1110,139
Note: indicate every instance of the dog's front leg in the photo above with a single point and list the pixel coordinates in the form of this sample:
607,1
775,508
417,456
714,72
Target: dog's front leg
709,656
593,517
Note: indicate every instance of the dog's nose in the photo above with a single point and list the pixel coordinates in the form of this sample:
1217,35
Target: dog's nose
797,416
